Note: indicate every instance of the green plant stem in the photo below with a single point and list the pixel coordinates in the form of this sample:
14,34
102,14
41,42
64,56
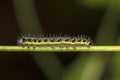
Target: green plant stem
57,49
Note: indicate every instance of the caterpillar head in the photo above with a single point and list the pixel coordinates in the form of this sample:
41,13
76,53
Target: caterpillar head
21,40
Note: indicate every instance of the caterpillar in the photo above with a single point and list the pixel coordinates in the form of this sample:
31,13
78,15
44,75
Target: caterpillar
54,41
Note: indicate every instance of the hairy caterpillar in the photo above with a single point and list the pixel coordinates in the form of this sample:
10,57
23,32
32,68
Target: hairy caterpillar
54,41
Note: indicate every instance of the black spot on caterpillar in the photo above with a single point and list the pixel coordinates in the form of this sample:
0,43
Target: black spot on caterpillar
54,41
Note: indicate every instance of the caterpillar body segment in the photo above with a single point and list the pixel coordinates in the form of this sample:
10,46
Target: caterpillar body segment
54,41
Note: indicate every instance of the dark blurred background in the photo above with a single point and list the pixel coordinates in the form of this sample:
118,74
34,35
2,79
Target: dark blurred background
55,16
